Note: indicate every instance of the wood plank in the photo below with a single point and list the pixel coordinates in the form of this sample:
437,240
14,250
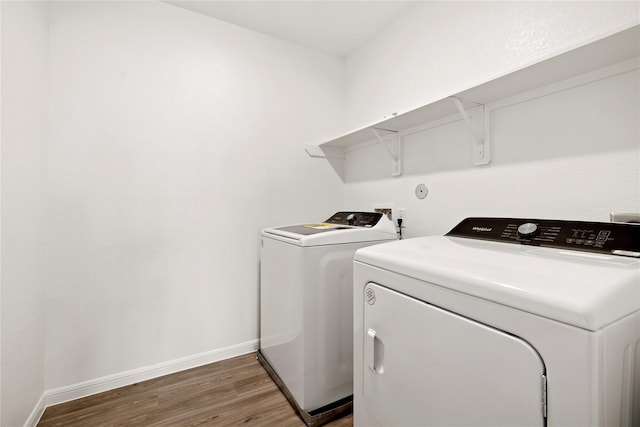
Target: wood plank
226,393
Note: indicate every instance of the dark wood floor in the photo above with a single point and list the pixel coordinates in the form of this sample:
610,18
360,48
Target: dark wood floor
227,393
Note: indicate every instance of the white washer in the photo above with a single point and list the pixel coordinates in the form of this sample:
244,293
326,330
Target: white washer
306,308
502,322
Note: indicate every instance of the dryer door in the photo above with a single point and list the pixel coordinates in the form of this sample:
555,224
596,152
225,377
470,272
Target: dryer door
425,366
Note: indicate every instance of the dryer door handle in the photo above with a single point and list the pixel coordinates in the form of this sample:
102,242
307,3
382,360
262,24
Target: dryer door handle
374,352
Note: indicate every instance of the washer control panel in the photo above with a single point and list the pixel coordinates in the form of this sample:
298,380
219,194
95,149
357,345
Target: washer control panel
357,219
601,237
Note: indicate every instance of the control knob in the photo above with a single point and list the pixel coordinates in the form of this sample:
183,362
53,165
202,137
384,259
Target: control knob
351,219
528,230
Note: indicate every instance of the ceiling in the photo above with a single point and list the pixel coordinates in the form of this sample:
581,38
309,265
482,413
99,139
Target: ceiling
337,27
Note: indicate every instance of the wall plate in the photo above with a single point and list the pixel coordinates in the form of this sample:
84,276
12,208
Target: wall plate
421,191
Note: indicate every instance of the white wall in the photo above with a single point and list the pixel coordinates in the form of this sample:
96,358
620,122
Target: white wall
440,48
23,280
174,139
571,155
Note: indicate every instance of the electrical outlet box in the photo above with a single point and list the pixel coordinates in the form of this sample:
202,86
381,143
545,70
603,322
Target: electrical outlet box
387,211
385,208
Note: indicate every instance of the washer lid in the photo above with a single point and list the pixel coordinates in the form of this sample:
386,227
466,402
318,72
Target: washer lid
582,289
340,228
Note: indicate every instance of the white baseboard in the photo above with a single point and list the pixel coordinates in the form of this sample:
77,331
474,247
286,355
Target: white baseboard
36,414
110,382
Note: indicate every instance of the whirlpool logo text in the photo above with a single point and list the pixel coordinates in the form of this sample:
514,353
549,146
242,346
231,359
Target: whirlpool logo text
482,229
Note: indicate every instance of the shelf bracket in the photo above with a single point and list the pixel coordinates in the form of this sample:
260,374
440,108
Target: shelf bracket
393,147
480,149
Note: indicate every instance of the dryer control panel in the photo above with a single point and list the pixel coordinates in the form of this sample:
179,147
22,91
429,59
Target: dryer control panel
601,237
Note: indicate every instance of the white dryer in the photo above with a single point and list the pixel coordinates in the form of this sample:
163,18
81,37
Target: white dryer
306,308
502,322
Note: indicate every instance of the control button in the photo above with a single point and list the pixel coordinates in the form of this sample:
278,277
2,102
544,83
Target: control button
570,240
528,230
